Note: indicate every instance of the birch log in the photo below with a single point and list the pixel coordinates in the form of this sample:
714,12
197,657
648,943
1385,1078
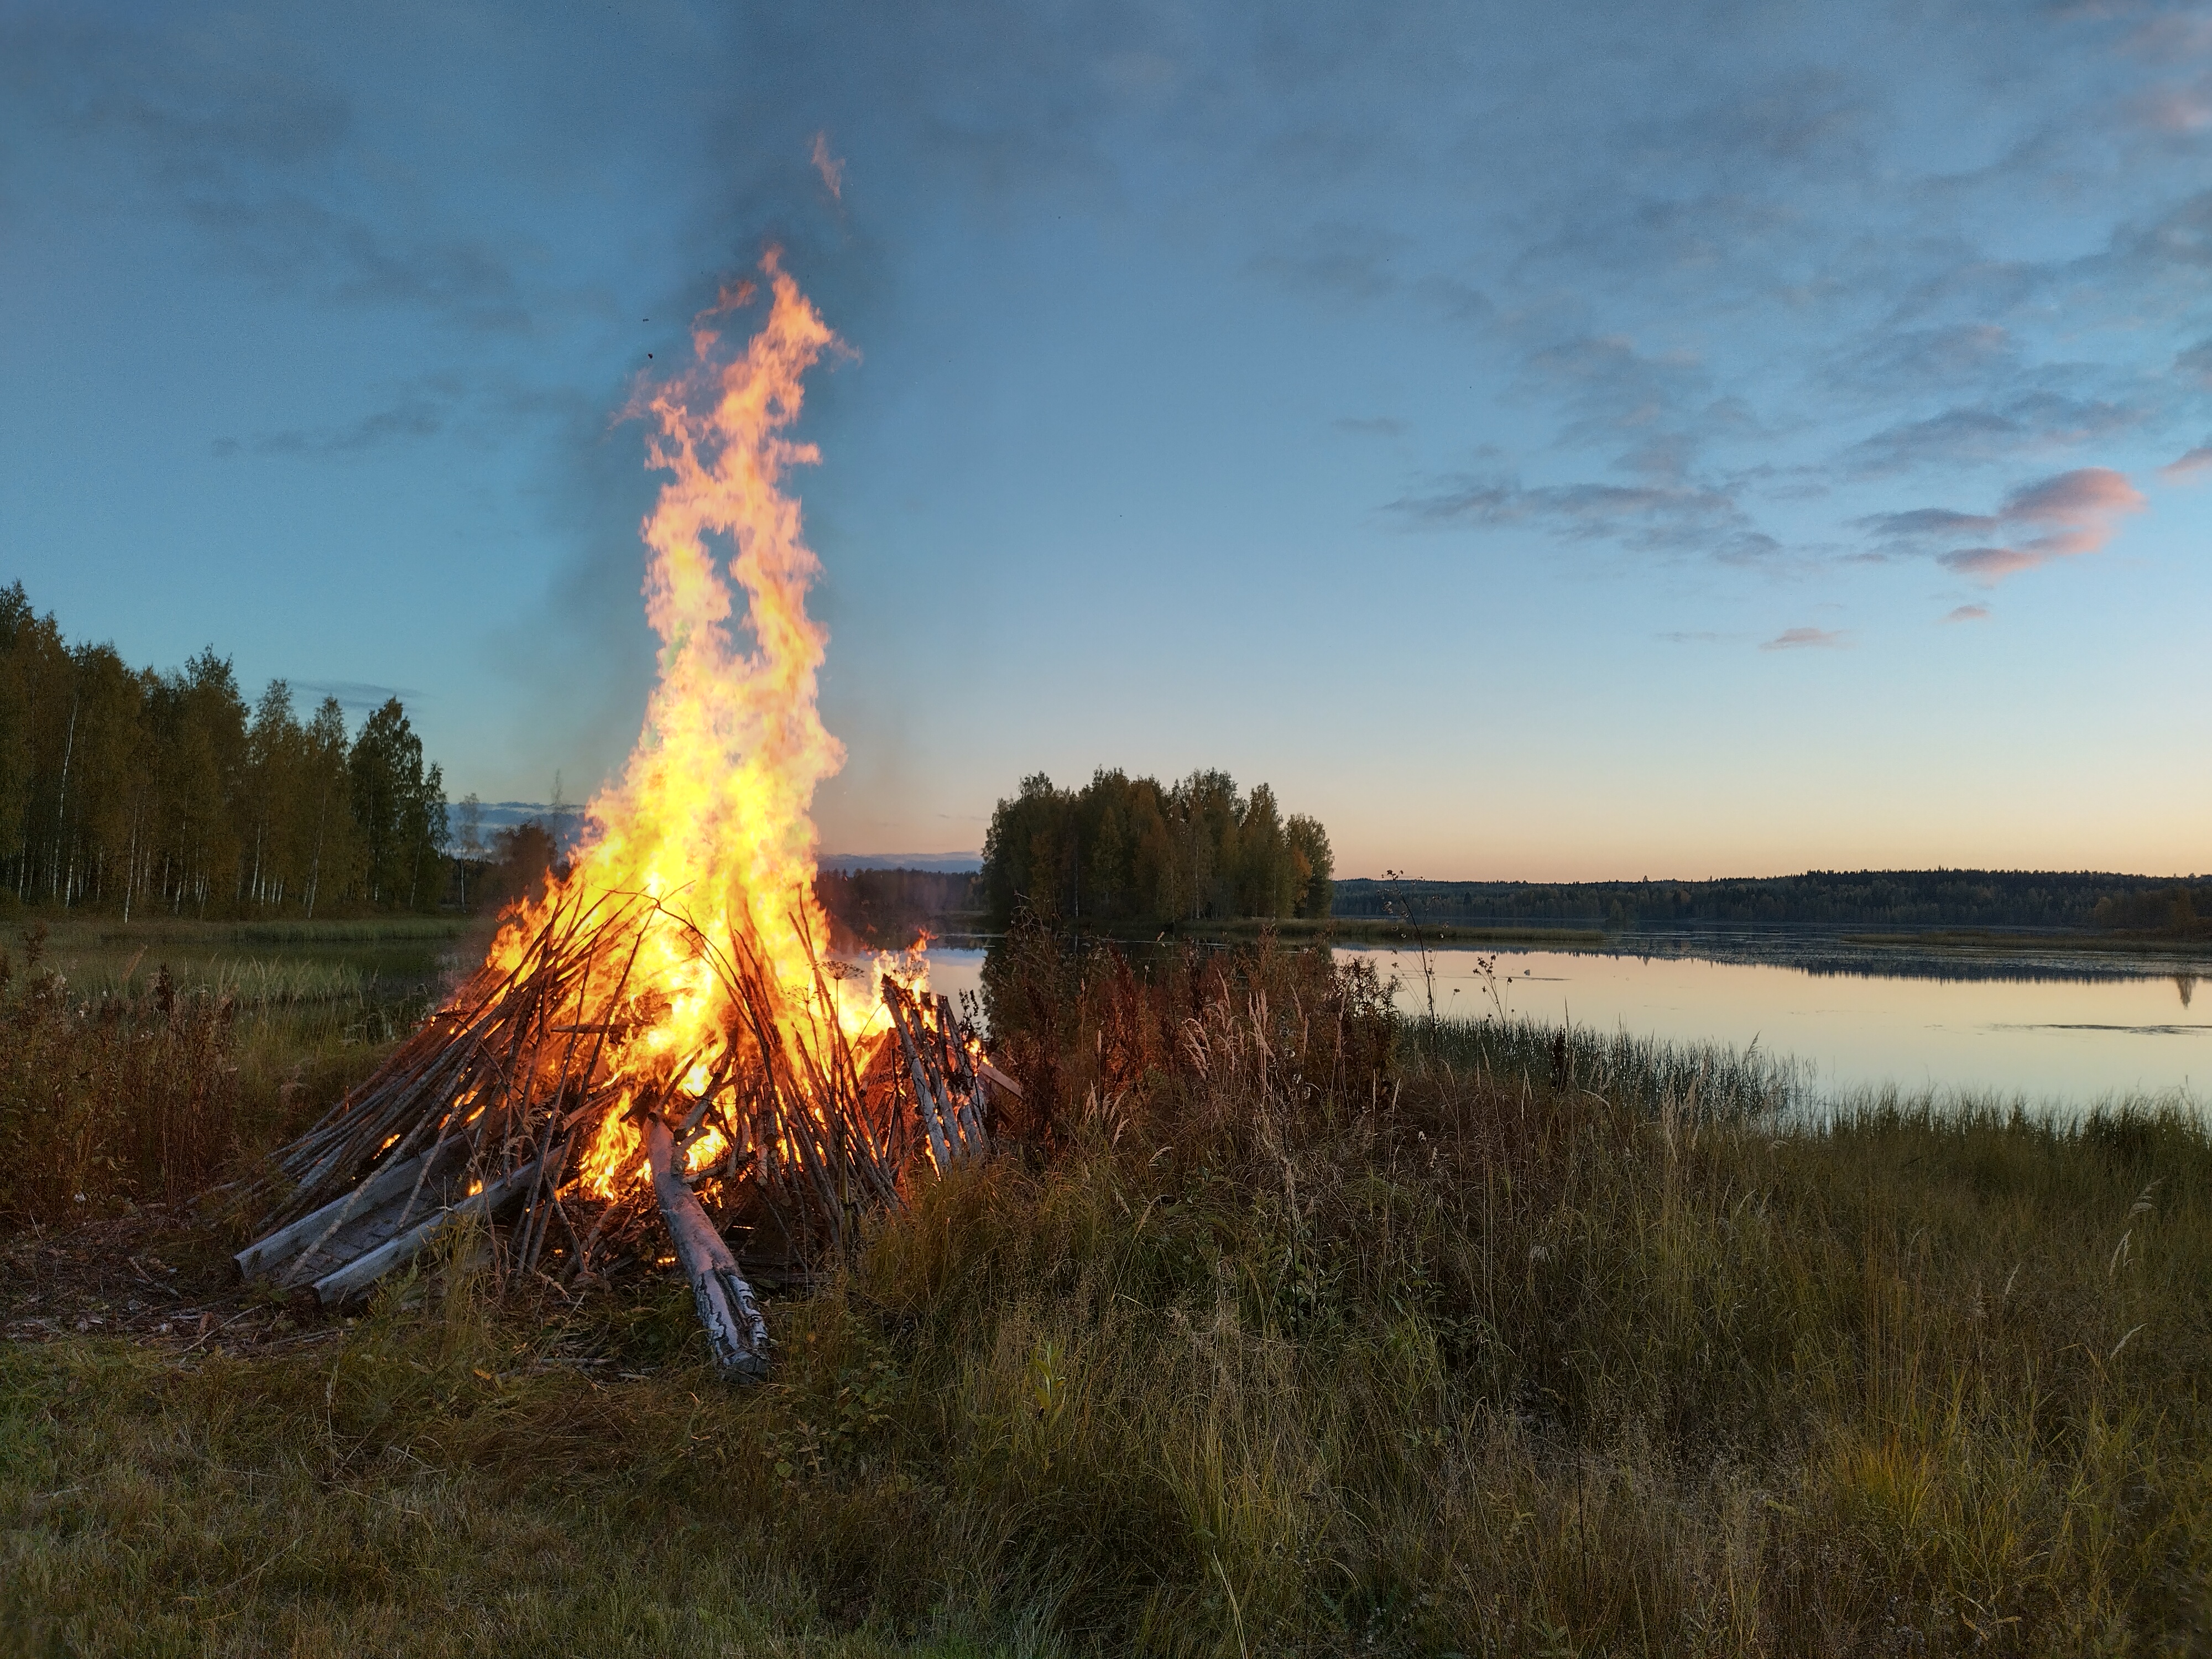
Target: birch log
735,1329
318,1226
363,1271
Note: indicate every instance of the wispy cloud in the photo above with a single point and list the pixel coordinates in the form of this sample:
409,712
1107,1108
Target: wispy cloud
1972,433
2065,516
1966,613
247,143
1803,638
355,694
424,412
1339,260
1888,363
2178,109
1458,301
1377,426
832,168
1649,518
2190,467
284,238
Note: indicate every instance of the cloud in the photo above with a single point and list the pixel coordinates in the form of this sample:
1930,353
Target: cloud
1799,638
1337,260
831,169
354,694
1458,301
1379,425
1810,117
2179,242
195,105
2065,516
1652,517
2196,364
242,135
1652,415
284,238
422,413
1970,434
1989,564
1928,521
2177,110
1709,233
1611,387
2186,469
2087,495
1893,362
1692,636
1966,613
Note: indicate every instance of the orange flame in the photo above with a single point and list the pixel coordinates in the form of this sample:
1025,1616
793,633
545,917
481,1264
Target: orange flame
711,816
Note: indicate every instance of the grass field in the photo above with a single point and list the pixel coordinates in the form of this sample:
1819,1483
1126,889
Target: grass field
1287,1328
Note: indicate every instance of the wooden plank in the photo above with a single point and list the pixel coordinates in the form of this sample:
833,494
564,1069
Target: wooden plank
736,1331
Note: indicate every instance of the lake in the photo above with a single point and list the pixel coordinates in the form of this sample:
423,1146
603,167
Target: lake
2059,1030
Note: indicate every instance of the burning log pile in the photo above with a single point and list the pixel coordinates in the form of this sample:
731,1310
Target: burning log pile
659,1029
543,1095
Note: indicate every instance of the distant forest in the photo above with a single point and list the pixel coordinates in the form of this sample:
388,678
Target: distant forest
1871,898
132,791
1124,852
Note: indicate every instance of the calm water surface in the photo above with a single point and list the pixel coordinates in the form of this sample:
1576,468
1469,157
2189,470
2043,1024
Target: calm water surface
2050,1034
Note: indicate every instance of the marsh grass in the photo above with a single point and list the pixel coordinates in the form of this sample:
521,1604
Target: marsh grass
148,1063
1283,1335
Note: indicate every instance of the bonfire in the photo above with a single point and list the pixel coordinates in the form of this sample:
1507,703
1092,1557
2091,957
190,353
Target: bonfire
663,1024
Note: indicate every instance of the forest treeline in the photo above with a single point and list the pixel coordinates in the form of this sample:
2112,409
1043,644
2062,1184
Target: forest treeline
1134,853
132,791
1867,898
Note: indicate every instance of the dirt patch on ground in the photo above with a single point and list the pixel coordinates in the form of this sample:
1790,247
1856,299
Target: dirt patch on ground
152,1276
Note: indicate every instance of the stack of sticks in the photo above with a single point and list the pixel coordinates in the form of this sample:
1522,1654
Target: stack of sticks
948,1074
485,1110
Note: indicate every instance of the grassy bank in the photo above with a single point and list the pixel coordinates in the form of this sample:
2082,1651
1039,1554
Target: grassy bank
1287,1329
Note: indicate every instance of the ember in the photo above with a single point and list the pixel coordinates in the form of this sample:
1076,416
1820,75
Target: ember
663,1020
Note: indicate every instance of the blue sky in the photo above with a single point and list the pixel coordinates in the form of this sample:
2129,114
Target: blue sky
1541,441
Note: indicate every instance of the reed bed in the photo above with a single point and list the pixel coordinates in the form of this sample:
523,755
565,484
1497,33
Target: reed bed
1286,1331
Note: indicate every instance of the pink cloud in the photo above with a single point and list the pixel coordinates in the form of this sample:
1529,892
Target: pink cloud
1989,564
1795,639
1966,613
2073,514
2177,111
2197,460
2087,492
832,169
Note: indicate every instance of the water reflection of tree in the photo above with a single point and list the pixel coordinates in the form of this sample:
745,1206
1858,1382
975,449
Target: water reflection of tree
2186,984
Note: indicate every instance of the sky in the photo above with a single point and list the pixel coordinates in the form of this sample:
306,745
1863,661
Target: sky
1545,442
